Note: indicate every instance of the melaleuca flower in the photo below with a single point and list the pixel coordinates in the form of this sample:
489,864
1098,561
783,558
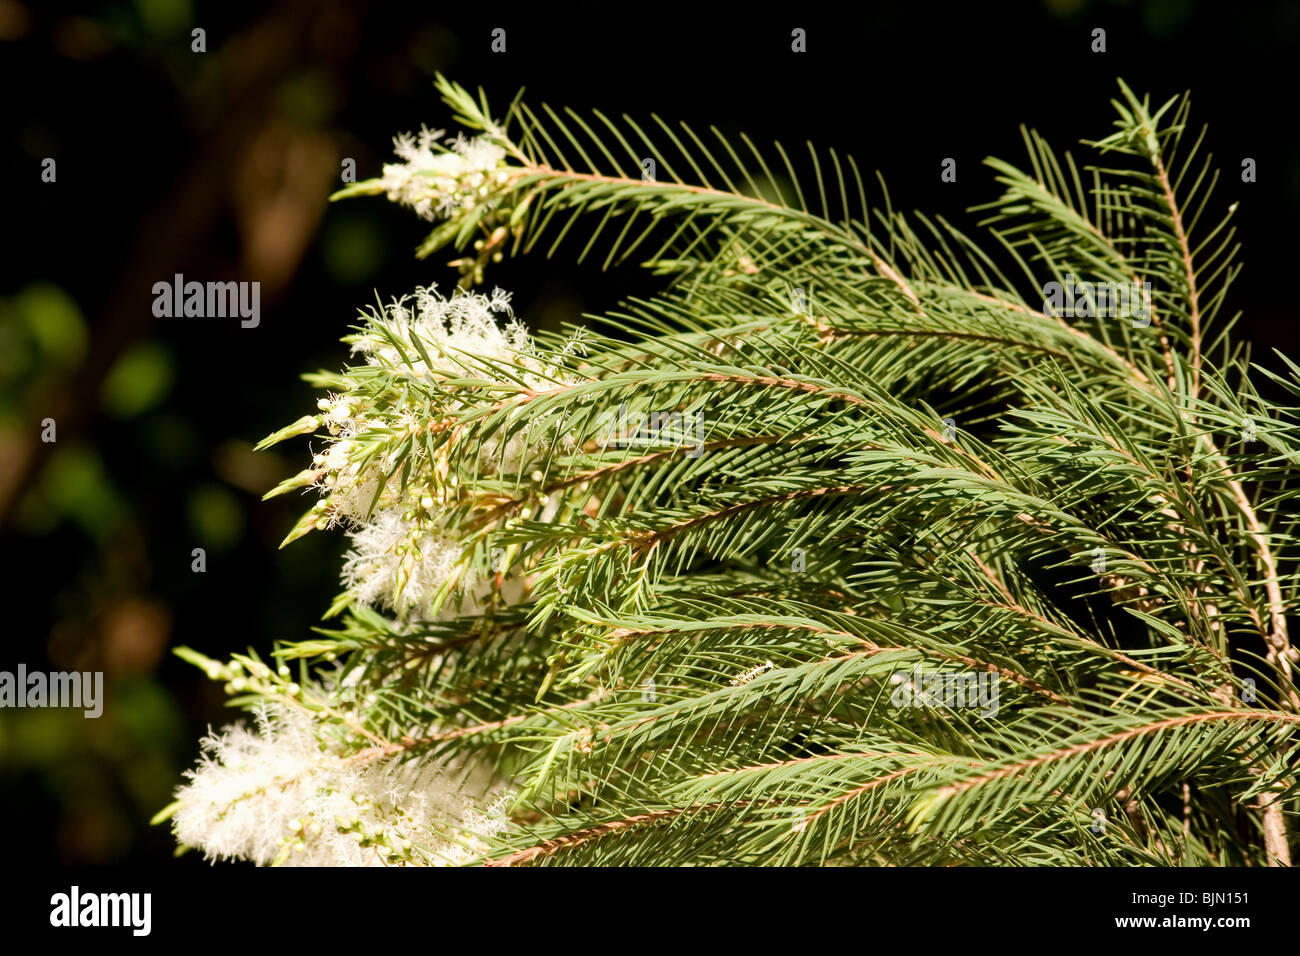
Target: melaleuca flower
376,473
462,337
280,795
352,485
396,563
458,328
435,180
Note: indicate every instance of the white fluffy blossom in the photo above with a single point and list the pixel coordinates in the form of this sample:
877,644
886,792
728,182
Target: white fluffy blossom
455,329
279,795
393,565
435,181
403,550
464,336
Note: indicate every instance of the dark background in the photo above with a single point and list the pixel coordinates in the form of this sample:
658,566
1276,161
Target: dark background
218,164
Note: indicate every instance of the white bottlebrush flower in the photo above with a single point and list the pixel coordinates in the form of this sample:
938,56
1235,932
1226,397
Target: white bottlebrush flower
279,795
464,336
435,181
395,565
453,329
399,510
352,488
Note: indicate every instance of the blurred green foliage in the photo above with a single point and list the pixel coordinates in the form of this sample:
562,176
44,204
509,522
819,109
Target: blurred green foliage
138,381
